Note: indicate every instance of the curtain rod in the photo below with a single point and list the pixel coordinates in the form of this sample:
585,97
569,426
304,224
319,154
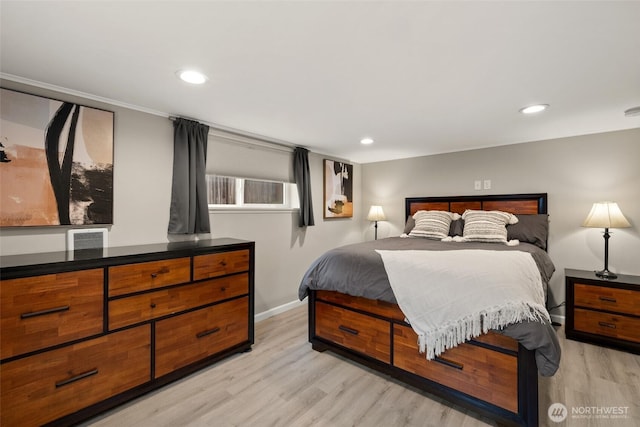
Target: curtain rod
257,140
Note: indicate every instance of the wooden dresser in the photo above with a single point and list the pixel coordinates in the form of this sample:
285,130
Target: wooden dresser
603,311
83,332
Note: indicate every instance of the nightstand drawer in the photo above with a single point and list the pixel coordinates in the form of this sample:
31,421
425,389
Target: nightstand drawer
356,331
610,325
47,386
609,299
42,311
193,336
143,276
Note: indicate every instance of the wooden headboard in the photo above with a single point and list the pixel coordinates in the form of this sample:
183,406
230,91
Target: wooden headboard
514,203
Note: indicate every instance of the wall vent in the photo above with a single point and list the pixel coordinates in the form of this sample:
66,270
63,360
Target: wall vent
86,238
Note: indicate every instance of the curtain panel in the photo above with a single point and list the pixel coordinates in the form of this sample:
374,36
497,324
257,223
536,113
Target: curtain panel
189,211
303,182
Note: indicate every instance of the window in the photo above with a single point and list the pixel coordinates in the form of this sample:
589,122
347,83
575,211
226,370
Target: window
231,192
221,190
263,192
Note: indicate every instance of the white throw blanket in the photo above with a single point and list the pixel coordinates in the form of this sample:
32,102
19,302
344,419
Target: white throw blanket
449,297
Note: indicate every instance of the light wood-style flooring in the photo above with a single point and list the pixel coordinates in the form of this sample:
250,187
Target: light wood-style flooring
283,382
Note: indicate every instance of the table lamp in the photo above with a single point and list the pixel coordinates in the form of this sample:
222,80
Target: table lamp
606,215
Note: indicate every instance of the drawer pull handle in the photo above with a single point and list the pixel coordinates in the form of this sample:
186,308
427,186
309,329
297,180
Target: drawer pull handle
608,299
607,325
223,263
153,305
348,330
208,332
76,378
43,312
163,270
449,363
222,289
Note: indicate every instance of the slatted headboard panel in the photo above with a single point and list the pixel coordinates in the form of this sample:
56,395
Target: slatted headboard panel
515,203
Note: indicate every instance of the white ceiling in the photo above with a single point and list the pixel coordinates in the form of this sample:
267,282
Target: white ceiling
418,77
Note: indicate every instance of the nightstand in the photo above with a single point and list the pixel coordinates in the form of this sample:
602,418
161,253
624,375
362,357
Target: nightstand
603,311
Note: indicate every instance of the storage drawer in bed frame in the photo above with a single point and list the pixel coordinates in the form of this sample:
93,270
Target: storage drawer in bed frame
492,375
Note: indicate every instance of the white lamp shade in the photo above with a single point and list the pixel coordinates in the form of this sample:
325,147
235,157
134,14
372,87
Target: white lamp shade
606,215
376,214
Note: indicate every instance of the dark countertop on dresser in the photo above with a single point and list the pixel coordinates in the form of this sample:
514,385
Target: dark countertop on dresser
13,265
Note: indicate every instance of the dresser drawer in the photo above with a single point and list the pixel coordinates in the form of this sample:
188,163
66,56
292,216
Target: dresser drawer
47,386
356,331
191,337
42,311
220,264
139,308
610,299
143,276
480,372
610,325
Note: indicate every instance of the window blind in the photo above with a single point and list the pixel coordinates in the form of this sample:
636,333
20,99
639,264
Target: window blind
243,157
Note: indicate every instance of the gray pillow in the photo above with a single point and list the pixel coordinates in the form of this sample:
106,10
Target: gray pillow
532,229
409,225
457,227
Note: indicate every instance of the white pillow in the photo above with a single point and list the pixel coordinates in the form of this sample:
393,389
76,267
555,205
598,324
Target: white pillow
432,224
486,226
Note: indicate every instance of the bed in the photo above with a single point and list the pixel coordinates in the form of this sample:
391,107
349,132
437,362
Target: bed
356,314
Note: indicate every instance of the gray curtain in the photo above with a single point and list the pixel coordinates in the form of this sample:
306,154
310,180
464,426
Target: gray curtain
189,212
303,182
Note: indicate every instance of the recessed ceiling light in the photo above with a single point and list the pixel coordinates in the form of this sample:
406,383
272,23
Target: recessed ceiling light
531,109
366,141
192,76
631,112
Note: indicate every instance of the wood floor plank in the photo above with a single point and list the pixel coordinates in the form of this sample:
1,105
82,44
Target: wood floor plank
284,383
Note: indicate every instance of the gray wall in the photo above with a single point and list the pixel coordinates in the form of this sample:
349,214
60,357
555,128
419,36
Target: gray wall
284,251
575,172
142,188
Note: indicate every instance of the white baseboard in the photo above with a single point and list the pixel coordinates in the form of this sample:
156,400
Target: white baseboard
280,309
557,318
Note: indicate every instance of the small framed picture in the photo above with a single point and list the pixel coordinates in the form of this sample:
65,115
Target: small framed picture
338,189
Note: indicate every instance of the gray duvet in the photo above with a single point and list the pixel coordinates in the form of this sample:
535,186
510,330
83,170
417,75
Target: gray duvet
358,270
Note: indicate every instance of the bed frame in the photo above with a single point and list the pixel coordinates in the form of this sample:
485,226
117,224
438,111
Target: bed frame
493,375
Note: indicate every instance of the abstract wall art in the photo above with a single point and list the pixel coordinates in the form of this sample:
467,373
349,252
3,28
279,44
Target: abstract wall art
338,189
56,162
